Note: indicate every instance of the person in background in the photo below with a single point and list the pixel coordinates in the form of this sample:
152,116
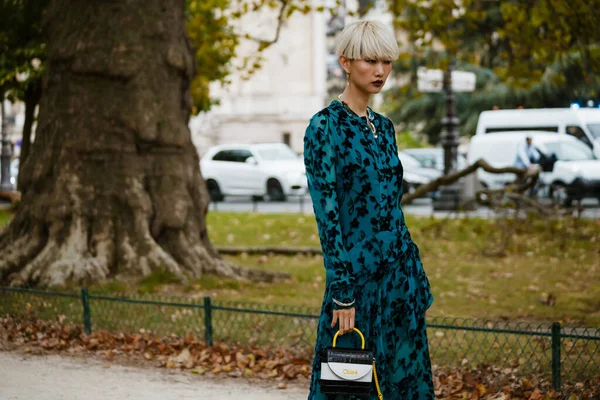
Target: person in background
527,154
527,157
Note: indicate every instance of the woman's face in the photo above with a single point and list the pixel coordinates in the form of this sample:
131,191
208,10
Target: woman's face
367,75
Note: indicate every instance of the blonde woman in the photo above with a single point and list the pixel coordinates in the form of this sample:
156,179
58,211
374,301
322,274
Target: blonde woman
374,277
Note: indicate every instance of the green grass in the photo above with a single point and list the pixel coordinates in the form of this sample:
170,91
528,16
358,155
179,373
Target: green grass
558,258
543,258
5,216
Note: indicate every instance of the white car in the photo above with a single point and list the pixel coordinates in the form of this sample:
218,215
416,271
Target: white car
581,123
433,157
575,173
415,175
411,164
269,169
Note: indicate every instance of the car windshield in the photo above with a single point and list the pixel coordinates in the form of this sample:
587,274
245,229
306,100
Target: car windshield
570,151
427,160
595,129
434,158
277,153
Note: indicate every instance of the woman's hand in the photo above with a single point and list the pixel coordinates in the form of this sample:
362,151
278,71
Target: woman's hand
346,319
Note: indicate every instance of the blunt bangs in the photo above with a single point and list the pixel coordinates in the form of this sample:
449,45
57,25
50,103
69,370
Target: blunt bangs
368,40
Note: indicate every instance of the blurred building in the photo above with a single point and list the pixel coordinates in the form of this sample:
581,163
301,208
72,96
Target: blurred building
15,118
276,103
300,75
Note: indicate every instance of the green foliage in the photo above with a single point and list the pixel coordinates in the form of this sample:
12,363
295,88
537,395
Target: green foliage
22,50
562,83
518,39
215,44
539,53
406,140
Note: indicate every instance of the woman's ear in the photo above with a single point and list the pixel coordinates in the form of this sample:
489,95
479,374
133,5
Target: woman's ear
345,63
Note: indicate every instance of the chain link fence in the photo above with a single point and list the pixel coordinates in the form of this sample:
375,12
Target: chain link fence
564,354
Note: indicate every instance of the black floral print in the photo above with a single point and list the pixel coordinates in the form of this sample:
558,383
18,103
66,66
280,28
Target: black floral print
355,181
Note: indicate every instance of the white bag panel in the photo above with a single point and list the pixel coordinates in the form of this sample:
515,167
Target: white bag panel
347,372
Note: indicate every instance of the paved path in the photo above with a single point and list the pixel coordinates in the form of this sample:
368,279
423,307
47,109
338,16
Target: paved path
24,377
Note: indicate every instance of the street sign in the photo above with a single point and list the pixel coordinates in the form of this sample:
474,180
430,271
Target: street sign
432,80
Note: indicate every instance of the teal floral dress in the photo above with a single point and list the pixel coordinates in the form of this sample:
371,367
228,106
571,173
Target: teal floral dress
355,181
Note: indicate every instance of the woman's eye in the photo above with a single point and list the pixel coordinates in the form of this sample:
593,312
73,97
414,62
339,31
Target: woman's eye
387,62
371,61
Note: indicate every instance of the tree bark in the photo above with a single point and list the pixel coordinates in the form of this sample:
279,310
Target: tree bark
112,187
33,93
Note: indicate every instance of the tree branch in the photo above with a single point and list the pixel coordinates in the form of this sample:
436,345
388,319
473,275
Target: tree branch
280,19
530,175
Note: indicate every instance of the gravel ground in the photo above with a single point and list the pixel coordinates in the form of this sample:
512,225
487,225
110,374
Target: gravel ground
72,378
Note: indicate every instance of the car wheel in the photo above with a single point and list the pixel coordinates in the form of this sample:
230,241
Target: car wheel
275,190
559,195
214,190
258,198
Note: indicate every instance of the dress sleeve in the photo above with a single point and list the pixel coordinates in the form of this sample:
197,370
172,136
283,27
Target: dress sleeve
319,159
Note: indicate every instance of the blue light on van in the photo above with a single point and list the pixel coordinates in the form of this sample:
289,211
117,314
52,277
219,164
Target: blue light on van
575,106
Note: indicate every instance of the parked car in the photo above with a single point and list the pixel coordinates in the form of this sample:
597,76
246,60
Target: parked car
574,174
581,123
269,169
433,157
415,174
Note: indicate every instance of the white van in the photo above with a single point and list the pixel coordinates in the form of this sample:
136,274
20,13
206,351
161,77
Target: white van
582,123
575,174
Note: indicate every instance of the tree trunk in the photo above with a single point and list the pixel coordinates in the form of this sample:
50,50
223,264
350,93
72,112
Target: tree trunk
33,92
113,185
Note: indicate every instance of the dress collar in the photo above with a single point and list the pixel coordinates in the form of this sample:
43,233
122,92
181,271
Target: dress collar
347,110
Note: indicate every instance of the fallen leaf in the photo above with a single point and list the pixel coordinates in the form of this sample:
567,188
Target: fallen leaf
198,371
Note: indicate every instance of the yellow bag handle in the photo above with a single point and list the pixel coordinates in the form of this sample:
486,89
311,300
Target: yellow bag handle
362,338
362,347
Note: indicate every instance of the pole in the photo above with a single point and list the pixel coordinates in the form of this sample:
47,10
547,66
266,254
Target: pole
208,327
449,196
5,153
87,318
556,356
450,122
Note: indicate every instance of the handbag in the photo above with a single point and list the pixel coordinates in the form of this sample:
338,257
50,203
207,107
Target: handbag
348,371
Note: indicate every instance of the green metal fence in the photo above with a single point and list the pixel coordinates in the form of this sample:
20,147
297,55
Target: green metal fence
564,354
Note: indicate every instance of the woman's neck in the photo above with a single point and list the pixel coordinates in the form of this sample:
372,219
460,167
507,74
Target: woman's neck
356,100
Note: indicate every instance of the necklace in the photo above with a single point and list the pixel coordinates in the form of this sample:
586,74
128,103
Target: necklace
368,117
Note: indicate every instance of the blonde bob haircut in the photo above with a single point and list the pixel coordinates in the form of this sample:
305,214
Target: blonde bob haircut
368,40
